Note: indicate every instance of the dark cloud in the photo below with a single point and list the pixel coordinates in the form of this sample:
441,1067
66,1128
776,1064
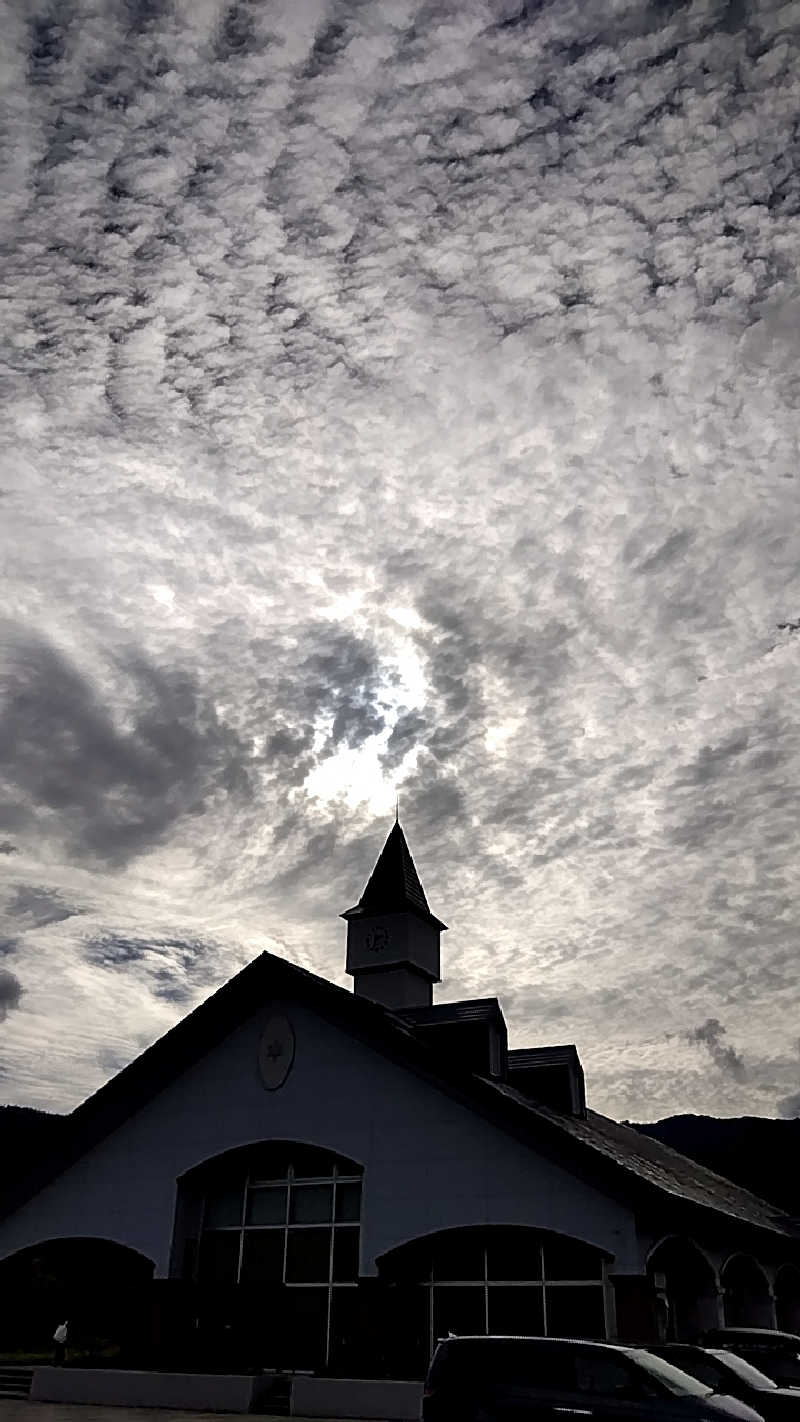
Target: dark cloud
112,785
172,968
10,992
341,683
115,951
408,730
6,847
710,1035
673,547
111,951
38,907
112,1060
789,1106
8,946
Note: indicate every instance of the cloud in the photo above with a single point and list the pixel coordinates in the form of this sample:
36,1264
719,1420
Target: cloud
111,1060
710,1035
110,789
404,399
6,847
36,907
789,1106
173,968
10,992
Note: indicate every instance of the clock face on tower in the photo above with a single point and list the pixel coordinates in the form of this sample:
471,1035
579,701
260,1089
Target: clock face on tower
377,939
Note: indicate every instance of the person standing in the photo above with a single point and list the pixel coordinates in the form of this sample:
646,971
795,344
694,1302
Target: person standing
59,1344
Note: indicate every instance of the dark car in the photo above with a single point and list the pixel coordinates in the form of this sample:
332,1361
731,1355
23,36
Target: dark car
727,1373
480,1379
776,1354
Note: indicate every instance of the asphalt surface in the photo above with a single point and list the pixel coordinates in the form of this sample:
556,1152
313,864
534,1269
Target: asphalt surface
12,1410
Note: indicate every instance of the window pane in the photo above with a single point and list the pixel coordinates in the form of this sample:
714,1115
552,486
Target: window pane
576,1312
458,1311
306,1328
269,1160
345,1254
514,1254
348,1201
459,1254
190,1249
409,1263
266,1206
224,1207
571,1259
311,1204
402,1323
308,1256
516,1311
311,1161
219,1257
262,1256
347,1335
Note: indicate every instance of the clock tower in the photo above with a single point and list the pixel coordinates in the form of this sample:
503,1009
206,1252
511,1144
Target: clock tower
392,936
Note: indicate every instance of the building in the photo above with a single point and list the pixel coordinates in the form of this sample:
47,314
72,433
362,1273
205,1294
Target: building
297,1176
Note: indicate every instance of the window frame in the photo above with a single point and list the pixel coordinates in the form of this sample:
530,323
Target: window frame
291,1180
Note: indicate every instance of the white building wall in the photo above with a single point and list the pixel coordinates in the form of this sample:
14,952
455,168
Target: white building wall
429,1162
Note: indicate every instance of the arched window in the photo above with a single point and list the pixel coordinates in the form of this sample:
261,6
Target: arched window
787,1298
100,1286
748,1302
279,1243
502,1279
686,1287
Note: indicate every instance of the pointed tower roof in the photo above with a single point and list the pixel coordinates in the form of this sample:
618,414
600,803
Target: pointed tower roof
394,886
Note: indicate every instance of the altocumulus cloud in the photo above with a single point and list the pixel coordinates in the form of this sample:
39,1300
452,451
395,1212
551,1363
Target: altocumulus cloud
404,397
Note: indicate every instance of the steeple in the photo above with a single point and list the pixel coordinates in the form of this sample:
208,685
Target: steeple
392,936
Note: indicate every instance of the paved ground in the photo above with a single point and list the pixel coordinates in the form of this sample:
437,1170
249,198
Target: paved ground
13,1411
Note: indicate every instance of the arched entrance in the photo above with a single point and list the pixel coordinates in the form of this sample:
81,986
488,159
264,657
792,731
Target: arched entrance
787,1298
686,1287
748,1300
491,1279
267,1236
101,1287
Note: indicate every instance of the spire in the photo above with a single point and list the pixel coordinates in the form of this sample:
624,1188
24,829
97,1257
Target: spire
394,886
392,936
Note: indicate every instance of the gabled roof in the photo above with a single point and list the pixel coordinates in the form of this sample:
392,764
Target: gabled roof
615,1158
664,1169
394,886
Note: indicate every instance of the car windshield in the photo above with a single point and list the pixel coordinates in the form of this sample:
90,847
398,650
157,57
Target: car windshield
745,1371
671,1377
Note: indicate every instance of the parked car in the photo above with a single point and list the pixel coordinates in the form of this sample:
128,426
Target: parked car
481,1379
776,1354
727,1373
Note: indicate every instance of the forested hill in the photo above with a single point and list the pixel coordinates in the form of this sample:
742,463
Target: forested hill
753,1151
26,1136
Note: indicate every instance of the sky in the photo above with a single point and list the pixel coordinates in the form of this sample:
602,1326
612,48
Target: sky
402,399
